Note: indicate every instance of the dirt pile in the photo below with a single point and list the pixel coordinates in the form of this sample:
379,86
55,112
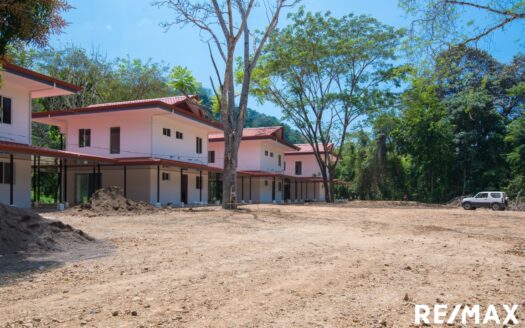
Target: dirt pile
22,231
111,201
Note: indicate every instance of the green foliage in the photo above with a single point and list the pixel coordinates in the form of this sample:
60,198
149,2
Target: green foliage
30,21
325,72
455,130
515,140
182,80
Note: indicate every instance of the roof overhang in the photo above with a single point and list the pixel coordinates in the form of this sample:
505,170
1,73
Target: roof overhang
267,174
40,85
18,148
274,138
46,117
165,162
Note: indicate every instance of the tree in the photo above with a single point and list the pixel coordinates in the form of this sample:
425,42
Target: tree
467,81
423,134
226,23
440,23
30,21
325,72
515,139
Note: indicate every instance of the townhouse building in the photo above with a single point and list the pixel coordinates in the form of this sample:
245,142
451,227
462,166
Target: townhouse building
18,157
158,148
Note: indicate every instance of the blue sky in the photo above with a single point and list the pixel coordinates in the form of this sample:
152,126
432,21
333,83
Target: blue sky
131,27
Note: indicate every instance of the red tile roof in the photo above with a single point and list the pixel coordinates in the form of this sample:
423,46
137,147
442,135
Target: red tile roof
176,100
19,148
164,162
269,132
305,149
24,72
266,174
178,104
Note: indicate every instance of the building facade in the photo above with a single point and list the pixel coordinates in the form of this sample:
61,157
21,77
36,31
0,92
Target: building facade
159,149
18,157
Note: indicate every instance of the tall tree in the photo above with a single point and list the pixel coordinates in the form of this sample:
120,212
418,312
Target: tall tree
323,72
30,21
440,23
424,135
515,139
467,81
227,23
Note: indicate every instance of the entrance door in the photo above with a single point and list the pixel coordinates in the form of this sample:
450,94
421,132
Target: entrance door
85,186
184,189
273,190
287,189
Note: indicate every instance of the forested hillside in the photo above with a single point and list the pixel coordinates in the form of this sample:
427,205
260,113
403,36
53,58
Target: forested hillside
457,129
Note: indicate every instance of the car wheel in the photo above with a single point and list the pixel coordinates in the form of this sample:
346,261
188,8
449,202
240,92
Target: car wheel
496,207
467,206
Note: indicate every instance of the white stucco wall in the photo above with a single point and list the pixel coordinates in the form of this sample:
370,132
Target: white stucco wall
310,165
22,182
20,128
179,149
142,183
135,133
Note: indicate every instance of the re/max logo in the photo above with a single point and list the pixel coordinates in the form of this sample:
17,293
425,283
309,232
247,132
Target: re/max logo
475,314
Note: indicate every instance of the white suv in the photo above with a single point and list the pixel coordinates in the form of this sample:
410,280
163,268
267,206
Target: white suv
497,200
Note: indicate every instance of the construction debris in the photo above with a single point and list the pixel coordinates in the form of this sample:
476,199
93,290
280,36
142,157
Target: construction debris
23,231
111,201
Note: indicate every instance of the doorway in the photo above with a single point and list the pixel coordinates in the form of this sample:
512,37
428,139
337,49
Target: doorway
184,188
287,188
85,185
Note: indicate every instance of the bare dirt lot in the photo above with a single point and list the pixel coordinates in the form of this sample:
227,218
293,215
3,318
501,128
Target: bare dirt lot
354,265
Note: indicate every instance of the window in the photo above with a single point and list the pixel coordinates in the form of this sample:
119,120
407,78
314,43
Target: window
84,138
279,159
298,168
279,186
265,153
166,132
165,176
179,135
211,156
285,166
198,145
5,110
495,195
114,140
5,173
271,154
198,182
265,182
482,195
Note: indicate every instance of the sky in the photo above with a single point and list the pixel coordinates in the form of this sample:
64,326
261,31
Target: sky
120,28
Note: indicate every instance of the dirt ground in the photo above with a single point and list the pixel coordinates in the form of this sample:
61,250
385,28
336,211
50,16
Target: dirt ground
275,266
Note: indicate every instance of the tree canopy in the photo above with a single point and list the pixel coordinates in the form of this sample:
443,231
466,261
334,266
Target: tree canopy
30,21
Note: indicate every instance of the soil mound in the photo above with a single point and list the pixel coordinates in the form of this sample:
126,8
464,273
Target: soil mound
111,201
23,231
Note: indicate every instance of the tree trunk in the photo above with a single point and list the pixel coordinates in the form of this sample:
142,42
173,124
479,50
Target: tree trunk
229,179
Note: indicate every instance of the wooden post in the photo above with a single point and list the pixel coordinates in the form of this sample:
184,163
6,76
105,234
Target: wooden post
60,185
242,188
65,181
34,178
274,191
200,189
125,181
11,179
38,180
158,183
